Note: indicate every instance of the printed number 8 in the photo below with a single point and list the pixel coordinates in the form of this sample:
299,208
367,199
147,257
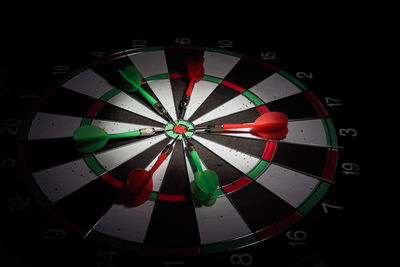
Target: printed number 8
241,259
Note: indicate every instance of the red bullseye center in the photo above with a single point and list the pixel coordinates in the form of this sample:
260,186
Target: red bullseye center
180,129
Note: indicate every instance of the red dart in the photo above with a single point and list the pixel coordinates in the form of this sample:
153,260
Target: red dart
271,125
195,70
140,183
140,179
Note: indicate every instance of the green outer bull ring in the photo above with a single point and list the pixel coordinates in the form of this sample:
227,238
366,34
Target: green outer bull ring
172,134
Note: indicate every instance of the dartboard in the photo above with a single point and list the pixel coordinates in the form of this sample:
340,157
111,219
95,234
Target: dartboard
128,157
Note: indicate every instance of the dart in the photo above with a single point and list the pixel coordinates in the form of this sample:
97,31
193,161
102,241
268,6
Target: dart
132,76
139,182
195,70
271,125
206,181
90,138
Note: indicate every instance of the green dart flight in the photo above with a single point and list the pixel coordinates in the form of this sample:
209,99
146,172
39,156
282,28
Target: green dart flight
90,138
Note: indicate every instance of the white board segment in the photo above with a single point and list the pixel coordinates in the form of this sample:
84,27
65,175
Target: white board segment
88,83
60,181
274,87
46,126
291,186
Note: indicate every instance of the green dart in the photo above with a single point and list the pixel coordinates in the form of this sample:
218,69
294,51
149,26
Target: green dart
90,138
206,184
132,75
206,181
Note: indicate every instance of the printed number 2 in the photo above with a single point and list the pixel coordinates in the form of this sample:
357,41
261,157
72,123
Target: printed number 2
304,75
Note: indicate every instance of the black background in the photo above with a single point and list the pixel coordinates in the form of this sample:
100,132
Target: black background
339,43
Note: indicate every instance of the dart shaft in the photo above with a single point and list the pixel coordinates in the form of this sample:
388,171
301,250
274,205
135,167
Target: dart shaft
193,155
237,126
189,88
126,134
160,160
135,133
196,160
147,96
266,126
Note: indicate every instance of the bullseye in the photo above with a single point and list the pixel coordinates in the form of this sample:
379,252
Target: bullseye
180,129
